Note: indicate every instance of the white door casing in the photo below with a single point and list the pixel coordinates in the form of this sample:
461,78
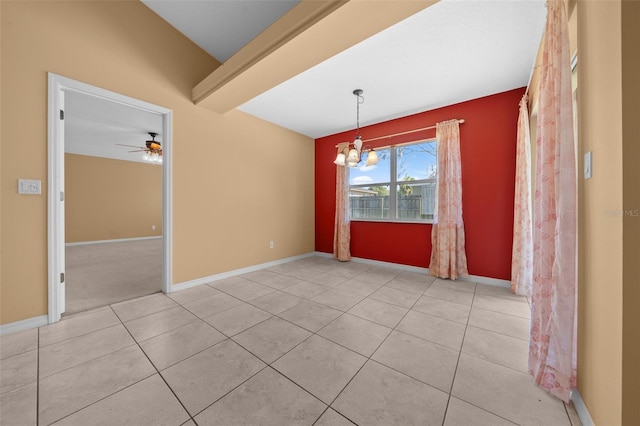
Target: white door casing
55,193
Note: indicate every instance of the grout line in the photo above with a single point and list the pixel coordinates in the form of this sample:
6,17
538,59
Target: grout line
227,393
184,325
497,332
113,393
566,410
369,357
495,363
155,368
270,365
150,313
66,368
335,411
101,399
133,298
486,411
225,310
445,300
322,414
227,338
455,371
79,335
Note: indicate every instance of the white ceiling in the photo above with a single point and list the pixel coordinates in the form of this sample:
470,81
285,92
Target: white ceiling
450,52
95,126
453,51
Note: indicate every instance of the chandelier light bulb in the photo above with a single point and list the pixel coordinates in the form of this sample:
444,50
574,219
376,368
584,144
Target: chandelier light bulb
372,158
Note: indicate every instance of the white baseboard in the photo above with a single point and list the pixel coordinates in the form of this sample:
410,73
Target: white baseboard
581,408
400,266
118,240
323,254
487,280
216,277
14,327
474,278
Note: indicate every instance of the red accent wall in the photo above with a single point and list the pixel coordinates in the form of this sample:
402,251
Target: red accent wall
488,151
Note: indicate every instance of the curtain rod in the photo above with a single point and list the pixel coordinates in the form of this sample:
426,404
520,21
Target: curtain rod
460,120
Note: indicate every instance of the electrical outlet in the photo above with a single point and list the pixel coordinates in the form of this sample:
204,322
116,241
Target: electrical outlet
271,244
153,227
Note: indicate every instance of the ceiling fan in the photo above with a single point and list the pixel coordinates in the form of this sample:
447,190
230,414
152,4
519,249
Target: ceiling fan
152,150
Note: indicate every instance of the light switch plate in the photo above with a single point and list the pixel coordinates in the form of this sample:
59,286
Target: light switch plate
587,165
29,186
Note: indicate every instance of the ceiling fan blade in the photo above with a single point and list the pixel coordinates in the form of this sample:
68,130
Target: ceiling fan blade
130,146
139,150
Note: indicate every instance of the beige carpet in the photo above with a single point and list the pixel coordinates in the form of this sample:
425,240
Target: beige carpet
105,273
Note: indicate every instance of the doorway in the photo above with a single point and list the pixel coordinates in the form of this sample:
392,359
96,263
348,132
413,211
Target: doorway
63,94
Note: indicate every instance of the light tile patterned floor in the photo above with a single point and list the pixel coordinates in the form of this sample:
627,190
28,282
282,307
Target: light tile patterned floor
313,341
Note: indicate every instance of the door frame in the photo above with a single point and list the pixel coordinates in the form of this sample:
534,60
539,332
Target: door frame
55,190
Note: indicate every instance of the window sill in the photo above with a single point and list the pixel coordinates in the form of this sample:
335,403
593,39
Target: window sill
420,222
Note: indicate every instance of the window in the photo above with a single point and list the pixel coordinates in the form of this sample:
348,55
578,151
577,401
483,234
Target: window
400,188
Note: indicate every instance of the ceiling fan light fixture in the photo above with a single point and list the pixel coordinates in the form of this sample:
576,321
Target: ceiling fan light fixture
152,151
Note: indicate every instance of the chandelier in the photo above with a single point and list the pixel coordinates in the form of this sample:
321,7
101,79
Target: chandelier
352,154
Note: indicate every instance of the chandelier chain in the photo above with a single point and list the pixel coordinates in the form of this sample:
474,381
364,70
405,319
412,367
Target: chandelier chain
359,100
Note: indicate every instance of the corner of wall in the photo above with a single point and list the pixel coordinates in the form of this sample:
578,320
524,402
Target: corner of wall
581,408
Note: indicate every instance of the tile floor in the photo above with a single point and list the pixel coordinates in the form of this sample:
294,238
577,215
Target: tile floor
312,341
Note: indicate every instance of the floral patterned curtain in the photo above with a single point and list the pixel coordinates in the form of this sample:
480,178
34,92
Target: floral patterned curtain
522,253
552,348
342,231
448,257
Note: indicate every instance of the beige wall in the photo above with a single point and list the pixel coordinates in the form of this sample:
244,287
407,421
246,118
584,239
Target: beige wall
107,199
600,234
608,322
631,223
124,47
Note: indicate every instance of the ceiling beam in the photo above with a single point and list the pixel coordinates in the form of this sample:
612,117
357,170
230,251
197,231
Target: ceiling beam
308,34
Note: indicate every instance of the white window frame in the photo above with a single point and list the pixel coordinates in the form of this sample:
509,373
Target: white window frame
393,186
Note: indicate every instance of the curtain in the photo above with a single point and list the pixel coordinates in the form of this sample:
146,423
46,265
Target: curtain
552,347
341,231
448,257
522,252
